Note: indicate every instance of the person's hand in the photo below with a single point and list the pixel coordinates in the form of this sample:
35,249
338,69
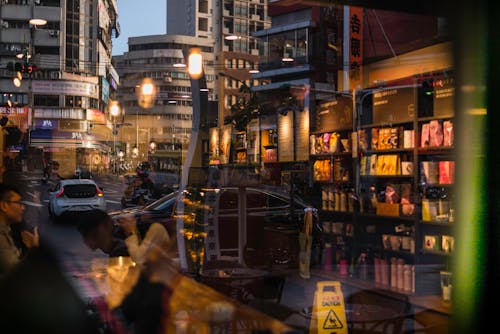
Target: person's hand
31,240
129,224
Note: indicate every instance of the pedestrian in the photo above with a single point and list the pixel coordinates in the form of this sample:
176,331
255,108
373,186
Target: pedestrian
11,213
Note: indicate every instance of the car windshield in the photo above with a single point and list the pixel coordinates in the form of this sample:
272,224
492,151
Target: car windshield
162,203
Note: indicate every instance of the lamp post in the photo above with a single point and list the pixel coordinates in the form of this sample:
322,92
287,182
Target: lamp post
146,93
114,111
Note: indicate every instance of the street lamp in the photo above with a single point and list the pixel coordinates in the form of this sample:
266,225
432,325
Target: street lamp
114,111
146,93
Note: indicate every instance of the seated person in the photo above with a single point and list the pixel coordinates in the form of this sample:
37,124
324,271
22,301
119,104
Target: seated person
141,239
97,230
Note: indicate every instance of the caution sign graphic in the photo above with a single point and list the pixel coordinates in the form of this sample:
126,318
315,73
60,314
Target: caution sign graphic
328,310
332,321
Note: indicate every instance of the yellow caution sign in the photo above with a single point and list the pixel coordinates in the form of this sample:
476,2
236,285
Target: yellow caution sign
328,316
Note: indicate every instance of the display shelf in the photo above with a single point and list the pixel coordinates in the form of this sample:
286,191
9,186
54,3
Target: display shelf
386,124
390,150
435,252
432,118
326,155
375,216
366,285
397,176
435,150
436,223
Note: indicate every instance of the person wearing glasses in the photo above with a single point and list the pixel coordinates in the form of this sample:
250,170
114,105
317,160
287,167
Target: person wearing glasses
11,213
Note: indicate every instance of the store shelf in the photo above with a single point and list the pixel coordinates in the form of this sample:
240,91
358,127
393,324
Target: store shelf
433,118
435,252
435,150
385,124
388,176
436,223
392,150
327,155
375,216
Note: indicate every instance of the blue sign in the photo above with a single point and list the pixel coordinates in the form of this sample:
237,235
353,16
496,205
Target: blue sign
46,124
105,90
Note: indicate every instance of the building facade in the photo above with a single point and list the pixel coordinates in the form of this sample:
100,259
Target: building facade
167,121
66,80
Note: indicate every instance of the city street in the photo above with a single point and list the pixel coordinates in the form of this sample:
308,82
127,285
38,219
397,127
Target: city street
75,257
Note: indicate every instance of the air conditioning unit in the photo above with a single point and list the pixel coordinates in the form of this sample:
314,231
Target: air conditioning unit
37,2
54,33
4,24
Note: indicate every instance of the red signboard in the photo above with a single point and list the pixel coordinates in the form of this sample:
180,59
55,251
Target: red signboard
355,46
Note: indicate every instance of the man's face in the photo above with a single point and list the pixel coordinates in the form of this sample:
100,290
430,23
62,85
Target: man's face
100,238
12,208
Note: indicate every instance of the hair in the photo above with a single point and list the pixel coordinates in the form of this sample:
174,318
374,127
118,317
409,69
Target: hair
6,191
89,221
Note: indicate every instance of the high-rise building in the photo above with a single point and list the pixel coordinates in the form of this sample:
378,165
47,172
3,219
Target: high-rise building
66,81
230,24
167,121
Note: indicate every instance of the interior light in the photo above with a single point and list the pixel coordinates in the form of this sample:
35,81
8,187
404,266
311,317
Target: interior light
179,65
287,59
253,71
232,37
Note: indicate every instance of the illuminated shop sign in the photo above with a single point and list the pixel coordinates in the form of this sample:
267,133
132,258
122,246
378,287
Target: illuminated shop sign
61,87
46,124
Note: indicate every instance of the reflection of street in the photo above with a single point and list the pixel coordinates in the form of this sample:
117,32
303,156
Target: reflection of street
75,257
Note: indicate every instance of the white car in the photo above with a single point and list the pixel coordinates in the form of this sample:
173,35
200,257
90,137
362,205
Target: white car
75,195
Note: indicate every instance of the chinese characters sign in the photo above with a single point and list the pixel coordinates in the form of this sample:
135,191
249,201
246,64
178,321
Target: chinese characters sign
355,46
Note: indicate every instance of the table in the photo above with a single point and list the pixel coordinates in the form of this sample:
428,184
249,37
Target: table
193,307
239,283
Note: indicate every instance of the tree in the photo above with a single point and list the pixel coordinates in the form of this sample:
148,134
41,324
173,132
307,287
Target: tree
251,106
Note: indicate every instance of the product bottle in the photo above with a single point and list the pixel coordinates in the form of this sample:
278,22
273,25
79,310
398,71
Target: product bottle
343,264
328,257
363,267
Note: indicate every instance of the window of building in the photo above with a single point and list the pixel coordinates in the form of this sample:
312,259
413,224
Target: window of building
203,24
46,100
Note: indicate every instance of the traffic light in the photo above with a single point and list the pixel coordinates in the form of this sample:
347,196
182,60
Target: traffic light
28,69
20,67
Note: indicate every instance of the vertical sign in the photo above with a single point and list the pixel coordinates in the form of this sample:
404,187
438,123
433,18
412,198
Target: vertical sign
286,138
355,46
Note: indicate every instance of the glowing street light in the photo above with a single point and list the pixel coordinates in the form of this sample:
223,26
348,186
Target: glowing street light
114,109
195,63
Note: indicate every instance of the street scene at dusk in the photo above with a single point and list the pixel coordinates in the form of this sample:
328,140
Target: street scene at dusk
248,166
